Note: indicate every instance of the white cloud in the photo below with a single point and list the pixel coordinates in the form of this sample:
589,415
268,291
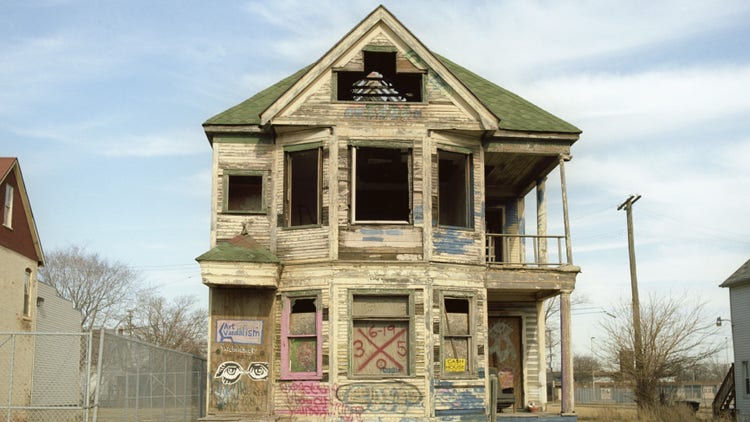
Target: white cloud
175,143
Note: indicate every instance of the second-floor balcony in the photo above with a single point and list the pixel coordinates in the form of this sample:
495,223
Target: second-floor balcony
519,250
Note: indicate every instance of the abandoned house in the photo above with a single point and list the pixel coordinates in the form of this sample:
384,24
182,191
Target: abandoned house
369,257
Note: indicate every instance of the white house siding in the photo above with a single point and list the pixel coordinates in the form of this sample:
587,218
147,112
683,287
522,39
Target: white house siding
57,357
739,298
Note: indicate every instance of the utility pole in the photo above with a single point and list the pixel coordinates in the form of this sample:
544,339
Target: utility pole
628,206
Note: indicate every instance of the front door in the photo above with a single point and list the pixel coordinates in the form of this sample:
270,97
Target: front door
506,359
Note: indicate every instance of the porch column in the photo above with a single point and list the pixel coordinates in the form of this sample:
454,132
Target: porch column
566,354
541,219
568,246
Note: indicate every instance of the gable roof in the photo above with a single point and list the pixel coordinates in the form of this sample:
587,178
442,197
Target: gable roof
739,277
510,111
10,165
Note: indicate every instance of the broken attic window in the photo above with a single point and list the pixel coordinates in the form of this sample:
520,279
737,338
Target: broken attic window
244,193
454,191
379,82
381,184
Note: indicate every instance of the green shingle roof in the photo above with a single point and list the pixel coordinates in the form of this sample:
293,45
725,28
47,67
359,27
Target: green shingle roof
514,112
241,248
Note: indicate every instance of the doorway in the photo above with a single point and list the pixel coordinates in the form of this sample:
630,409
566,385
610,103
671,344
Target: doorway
506,359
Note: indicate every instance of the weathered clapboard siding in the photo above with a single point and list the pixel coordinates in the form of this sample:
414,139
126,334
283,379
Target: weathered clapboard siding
378,242
243,154
302,243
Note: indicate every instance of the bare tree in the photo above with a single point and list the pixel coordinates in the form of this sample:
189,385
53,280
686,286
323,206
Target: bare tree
676,337
101,289
585,368
176,324
552,321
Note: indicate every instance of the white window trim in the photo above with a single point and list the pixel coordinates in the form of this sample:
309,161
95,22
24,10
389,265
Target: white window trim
8,207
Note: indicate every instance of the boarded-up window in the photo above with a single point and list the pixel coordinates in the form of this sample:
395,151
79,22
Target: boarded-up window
380,335
303,173
382,185
457,331
300,338
746,374
454,194
243,193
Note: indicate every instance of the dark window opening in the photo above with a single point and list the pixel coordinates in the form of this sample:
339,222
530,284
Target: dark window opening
379,81
303,187
381,184
453,195
245,193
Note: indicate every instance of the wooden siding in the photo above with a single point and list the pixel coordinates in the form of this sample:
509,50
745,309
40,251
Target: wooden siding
240,156
739,299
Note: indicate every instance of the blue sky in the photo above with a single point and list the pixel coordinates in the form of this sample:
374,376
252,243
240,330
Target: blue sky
103,103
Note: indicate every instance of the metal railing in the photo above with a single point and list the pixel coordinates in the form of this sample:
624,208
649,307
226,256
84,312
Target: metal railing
526,250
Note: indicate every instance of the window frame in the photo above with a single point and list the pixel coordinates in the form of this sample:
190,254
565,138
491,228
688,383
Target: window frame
225,192
746,377
288,184
409,181
471,337
468,186
8,206
286,312
27,293
392,75
410,365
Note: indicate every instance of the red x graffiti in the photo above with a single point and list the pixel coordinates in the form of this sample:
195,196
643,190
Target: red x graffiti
381,349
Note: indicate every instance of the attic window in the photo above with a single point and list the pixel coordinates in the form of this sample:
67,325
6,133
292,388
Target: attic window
379,82
8,207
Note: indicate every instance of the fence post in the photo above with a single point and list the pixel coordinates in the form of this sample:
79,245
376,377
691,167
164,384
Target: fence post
98,369
10,385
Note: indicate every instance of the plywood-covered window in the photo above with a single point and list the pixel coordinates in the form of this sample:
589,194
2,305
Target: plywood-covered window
303,180
301,348
381,191
381,332
8,207
455,191
244,193
457,335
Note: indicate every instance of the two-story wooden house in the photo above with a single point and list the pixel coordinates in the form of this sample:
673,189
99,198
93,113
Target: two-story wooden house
368,252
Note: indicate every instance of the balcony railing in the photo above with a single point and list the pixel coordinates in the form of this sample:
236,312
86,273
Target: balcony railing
526,250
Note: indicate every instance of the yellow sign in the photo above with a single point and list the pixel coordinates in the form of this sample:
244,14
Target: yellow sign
455,365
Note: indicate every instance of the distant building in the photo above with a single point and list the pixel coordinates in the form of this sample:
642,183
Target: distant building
369,259
20,258
739,299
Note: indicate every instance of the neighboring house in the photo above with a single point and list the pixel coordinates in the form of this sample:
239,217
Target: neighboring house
369,258
739,299
58,352
20,258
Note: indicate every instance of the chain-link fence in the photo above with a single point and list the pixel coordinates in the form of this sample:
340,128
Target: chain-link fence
96,377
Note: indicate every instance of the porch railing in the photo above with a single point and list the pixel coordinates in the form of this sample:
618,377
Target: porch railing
526,250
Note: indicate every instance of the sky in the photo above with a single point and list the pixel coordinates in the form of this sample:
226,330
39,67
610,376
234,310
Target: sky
103,101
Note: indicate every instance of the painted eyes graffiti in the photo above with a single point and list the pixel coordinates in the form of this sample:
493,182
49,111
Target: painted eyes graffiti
258,370
230,372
